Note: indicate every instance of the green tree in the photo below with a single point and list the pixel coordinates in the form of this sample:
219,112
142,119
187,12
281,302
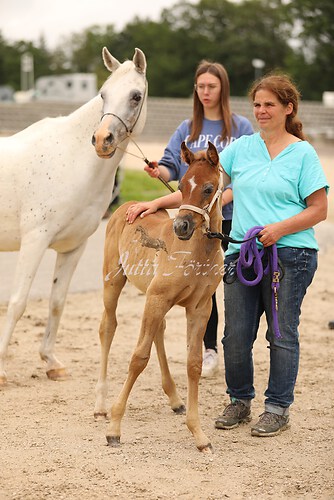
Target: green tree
235,34
172,55
86,50
9,65
312,66
296,36
10,61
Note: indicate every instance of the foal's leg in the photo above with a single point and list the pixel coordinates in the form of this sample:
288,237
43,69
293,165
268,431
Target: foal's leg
152,318
64,269
108,325
30,256
196,323
168,383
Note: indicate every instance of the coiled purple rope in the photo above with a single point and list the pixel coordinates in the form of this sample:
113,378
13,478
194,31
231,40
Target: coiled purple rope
251,255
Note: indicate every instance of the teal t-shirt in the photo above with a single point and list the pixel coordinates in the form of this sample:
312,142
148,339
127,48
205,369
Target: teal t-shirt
266,191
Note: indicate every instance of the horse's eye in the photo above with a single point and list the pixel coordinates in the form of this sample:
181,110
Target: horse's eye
136,96
180,186
102,96
208,189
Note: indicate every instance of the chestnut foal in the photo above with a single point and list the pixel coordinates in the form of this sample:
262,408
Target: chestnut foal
172,262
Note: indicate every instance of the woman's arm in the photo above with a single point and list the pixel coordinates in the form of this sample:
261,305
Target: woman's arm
227,196
144,208
169,165
315,212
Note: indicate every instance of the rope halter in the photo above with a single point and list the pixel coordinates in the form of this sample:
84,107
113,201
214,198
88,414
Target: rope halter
127,129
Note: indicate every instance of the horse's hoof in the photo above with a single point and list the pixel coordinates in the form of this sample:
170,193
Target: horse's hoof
100,415
114,441
57,374
180,410
207,448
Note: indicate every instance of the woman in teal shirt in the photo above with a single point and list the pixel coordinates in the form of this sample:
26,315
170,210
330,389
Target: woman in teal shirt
278,184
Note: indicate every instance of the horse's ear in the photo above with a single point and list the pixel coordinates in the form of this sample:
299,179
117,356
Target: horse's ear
110,62
212,154
139,61
186,155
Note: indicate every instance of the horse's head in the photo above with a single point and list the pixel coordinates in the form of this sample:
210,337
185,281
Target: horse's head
201,188
124,97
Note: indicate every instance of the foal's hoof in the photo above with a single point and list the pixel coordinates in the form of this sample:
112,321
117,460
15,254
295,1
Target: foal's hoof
114,441
207,448
57,374
180,410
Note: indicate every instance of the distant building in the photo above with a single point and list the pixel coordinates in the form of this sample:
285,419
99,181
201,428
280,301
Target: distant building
79,87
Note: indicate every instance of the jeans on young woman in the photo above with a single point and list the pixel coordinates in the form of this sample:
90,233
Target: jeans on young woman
244,306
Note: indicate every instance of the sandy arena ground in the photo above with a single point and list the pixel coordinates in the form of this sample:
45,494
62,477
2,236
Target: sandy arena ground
51,447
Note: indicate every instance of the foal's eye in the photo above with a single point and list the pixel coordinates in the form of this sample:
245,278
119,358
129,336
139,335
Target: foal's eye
208,189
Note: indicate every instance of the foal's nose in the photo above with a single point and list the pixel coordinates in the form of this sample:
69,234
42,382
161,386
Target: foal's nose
184,227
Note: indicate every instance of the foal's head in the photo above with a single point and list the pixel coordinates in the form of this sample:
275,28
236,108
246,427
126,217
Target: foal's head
201,187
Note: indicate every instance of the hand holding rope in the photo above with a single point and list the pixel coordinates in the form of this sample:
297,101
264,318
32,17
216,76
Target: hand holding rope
251,255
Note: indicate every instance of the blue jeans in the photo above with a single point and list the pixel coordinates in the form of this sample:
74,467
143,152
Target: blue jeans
244,306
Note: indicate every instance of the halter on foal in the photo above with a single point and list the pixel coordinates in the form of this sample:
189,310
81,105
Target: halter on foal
173,263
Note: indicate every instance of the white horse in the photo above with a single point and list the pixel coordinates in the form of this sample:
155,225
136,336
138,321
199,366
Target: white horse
55,188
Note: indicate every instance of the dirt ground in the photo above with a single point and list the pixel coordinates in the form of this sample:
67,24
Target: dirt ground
51,447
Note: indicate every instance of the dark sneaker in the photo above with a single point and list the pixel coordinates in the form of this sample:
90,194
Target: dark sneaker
233,415
270,424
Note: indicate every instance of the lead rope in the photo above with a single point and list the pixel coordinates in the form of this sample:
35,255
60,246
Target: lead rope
251,255
149,163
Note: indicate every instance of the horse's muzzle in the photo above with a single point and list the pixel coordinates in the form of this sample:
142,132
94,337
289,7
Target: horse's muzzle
104,145
184,226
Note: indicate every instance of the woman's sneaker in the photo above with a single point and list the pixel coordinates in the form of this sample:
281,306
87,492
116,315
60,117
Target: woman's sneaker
270,424
234,414
210,363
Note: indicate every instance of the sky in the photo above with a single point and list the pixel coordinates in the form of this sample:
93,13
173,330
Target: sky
55,19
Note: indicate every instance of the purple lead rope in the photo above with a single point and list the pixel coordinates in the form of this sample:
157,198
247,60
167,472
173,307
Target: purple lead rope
251,255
